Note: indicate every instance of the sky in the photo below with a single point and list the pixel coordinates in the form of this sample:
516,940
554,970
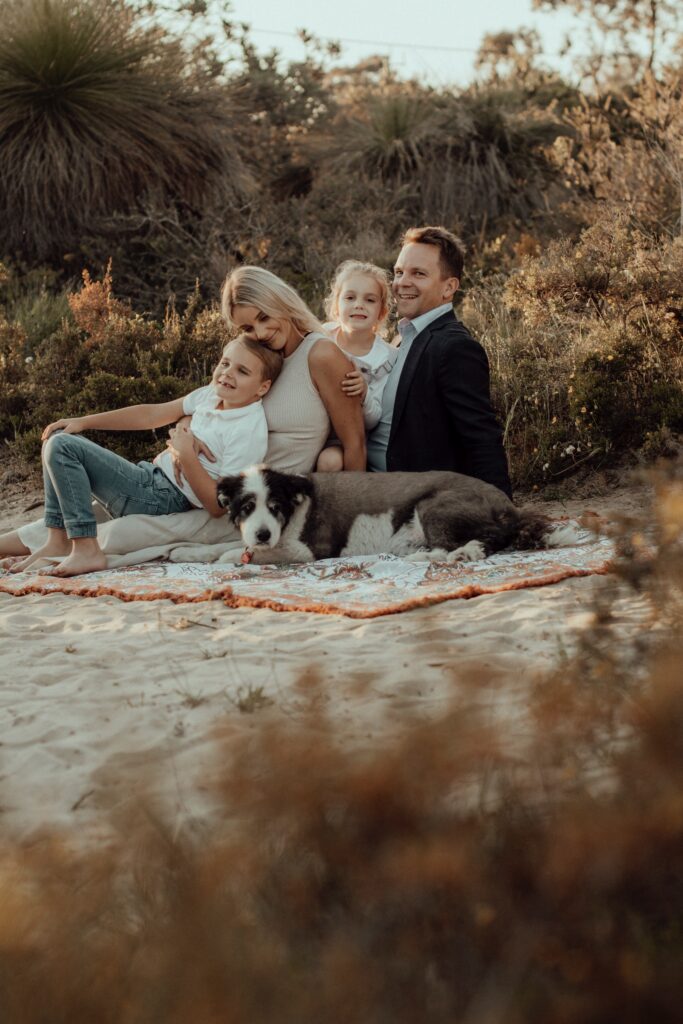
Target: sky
435,40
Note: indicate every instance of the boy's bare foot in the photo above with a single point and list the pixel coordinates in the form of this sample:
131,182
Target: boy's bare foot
79,562
54,547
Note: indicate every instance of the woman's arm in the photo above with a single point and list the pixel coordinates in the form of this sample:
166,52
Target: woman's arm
328,366
132,417
182,442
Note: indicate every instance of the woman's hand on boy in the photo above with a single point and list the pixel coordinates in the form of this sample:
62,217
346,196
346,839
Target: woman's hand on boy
199,448
181,441
71,426
355,385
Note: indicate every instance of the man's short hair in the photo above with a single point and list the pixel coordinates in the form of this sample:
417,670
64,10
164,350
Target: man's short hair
451,248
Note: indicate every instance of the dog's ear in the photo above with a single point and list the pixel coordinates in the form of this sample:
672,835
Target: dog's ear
227,489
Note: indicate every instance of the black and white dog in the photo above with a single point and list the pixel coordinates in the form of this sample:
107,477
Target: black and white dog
436,516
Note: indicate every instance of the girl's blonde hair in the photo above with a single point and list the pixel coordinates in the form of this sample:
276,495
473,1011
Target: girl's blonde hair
357,267
256,286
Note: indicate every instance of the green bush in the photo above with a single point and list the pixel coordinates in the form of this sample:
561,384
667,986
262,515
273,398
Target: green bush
621,397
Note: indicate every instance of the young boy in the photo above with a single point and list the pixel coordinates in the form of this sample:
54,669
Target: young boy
227,415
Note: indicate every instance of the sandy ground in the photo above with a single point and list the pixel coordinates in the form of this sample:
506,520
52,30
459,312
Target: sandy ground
103,702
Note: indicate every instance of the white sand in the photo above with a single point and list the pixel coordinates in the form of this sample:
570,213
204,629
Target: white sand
98,696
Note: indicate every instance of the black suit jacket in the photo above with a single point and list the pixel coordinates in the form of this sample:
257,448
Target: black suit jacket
443,418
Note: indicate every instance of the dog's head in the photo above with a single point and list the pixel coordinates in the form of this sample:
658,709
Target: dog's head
261,502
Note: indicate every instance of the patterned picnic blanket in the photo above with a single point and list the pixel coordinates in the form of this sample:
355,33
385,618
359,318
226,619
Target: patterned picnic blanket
360,587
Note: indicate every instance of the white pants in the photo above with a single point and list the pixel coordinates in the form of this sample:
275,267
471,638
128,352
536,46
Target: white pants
135,539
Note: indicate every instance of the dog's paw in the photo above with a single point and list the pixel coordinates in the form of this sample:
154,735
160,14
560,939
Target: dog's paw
435,555
418,556
473,551
192,553
231,557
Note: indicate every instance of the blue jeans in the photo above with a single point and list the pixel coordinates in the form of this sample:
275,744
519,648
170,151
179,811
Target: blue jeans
75,470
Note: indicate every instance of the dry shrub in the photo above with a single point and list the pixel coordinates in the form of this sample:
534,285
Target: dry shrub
586,344
453,873
625,150
103,355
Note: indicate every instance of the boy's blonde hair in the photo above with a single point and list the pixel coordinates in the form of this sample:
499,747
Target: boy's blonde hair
271,361
349,267
256,286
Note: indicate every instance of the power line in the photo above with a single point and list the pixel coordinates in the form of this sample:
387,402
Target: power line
366,42
390,45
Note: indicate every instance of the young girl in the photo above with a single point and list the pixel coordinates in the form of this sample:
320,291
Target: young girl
227,416
358,304
309,394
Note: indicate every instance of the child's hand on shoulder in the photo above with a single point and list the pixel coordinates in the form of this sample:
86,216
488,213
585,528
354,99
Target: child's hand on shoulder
71,426
355,385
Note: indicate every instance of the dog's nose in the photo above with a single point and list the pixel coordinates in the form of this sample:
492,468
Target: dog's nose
262,536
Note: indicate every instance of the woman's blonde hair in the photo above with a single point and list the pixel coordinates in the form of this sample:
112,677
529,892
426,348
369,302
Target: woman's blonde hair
256,286
357,267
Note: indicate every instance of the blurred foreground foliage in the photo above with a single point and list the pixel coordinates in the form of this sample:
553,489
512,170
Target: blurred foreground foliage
155,138
474,866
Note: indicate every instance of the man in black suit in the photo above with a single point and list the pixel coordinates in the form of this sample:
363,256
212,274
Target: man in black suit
436,405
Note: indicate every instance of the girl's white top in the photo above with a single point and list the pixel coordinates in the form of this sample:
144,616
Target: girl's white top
237,437
375,366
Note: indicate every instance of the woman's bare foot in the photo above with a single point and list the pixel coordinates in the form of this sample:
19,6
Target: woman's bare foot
56,546
86,556
7,563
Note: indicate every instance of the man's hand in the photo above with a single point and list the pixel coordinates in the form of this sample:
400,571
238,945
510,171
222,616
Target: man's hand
354,384
72,426
199,447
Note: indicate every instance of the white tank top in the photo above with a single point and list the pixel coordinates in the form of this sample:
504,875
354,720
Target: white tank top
298,424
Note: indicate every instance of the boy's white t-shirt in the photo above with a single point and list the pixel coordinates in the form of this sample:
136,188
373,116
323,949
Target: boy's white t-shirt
375,366
237,437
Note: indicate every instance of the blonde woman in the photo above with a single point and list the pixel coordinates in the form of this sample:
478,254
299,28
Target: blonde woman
309,394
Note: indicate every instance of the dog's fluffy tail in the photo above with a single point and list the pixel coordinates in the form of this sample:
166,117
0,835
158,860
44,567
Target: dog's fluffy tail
566,535
535,530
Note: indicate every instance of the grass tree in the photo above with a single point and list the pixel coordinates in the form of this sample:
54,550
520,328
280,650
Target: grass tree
469,159
98,112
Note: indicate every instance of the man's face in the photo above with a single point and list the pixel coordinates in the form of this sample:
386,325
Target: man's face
418,284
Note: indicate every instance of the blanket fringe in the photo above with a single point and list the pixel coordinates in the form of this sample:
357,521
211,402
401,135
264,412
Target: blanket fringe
232,600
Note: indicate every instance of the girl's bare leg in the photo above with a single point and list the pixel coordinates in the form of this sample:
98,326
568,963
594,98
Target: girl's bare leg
330,460
56,545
